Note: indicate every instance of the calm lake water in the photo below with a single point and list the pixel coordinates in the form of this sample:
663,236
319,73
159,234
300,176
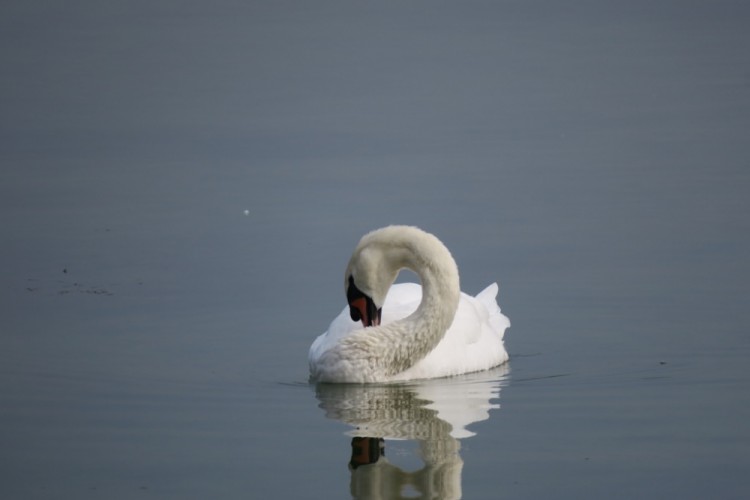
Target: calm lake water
182,183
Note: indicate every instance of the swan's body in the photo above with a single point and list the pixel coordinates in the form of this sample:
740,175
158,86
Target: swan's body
427,331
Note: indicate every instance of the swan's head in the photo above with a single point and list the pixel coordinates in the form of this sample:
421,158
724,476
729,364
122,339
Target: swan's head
369,275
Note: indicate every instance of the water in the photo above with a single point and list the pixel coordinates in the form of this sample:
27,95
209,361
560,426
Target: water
182,185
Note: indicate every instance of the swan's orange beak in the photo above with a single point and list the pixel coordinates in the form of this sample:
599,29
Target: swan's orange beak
363,308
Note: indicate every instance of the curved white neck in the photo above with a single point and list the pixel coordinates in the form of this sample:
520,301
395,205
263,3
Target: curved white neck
405,342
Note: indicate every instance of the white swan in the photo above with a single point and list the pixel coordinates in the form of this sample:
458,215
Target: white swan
426,332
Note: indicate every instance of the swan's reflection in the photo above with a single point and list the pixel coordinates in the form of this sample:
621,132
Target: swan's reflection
435,413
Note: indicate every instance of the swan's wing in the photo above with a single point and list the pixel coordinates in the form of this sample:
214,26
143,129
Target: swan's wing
488,296
341,327
497,321
402,300
473,342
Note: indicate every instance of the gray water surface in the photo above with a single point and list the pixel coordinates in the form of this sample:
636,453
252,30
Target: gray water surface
181,185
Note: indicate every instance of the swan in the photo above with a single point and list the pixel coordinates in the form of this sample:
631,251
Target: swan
407,331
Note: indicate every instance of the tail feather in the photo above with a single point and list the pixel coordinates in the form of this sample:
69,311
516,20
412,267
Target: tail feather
488,297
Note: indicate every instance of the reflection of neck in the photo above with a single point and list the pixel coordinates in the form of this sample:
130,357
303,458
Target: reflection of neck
439,478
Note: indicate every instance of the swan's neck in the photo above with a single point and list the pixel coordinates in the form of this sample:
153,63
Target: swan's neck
405,342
